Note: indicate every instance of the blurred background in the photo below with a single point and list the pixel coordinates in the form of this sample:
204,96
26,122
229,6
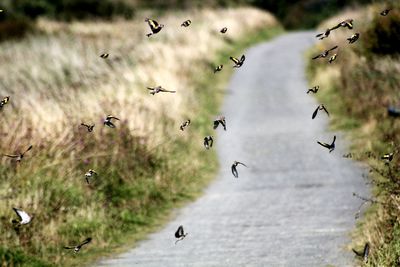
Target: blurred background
294,14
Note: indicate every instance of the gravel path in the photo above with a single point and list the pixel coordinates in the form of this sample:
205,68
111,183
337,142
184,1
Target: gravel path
293,206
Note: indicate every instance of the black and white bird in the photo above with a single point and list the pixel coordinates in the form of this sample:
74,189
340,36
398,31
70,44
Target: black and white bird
159,89
348,23
218,68
104,55
19,157
77,248
223,30
313,90
89,174
186,23
208,141
332,58
24,217
184,125
385,12
388,157
108,121
234,168
238,62
155,27
180,234
220,120
320,107
330,146
352,39
325,53
4,101
364,254
324,34
88,127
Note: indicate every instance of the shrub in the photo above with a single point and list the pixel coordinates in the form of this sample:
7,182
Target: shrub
383,36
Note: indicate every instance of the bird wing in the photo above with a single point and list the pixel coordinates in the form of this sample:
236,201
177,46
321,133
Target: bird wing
235,60
85,125
335,27
179,232
223,122
315,113
334,139
11,156
242,58
216,123
359,254
366,252
242,164
234,171
112,117
325,110
152,23
29,148
24,217
320,34
333,48
318,56
324,144
86,241
69,247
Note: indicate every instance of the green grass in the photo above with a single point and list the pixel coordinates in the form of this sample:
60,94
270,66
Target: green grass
164,177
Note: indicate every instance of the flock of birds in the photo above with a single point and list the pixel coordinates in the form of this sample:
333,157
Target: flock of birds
109,121
155,27
331,146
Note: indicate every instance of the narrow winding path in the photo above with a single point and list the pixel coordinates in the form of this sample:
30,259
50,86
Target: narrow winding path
293,206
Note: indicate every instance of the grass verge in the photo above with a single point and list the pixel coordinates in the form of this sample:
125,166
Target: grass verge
357,89
146,167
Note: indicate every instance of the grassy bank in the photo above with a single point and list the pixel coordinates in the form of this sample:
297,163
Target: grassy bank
146,166
357,89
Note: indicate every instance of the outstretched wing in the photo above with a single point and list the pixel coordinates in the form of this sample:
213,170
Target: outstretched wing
318,56
235,60
152,23
23,216
234,171
359,254
69,247
325,110
29,148
179,232
366,252
241,163
86,241
315,113
242,58
324,144
11,156
333,48
335,27
334,139
216,123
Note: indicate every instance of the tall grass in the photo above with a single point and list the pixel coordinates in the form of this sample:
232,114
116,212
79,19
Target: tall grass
358,88
145,166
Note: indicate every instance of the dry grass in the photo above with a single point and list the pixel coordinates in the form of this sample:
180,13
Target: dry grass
57,80
358,88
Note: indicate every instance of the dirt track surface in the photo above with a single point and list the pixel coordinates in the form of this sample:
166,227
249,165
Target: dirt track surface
293,206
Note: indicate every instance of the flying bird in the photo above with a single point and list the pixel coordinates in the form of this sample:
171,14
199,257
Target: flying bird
158,89
220,120
108,122
223,30
313,90
88,127
105,55
208,141
385,12
78,247
184,125
238,63
364,254
388,157
4,101
24,218
186,23
332,58
325,53
234,168
320,107
218,68
180,234
348,23
324,34
19,157
155,27
352,39
90,173
331,146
